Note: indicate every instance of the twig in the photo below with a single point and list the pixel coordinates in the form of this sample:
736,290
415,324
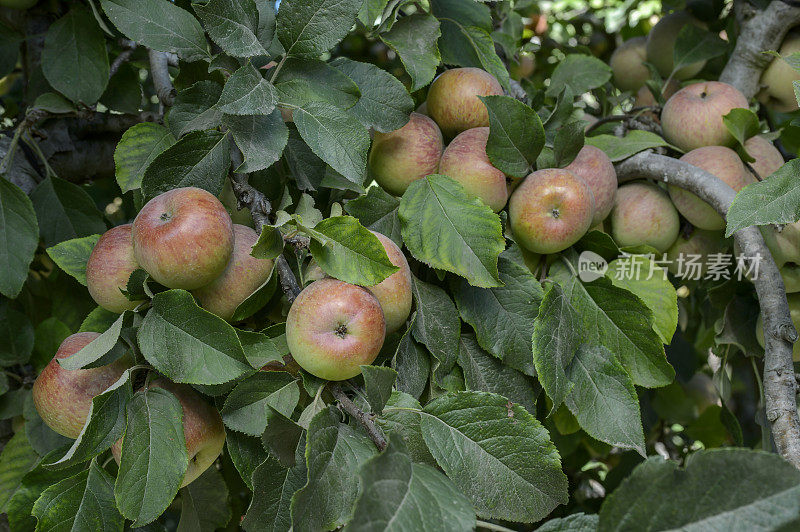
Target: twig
123,57
289,283
159,70
365,419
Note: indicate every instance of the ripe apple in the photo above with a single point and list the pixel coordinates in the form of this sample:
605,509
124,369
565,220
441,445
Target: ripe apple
203,430
334,327
695,249
627,64
183,238
242,276
778,77
692,117
465,160
725,164
63,397
394,292
645,98
644,215
400,157
767,157
551,210
661,45
794,312
453,99
593,166
109,267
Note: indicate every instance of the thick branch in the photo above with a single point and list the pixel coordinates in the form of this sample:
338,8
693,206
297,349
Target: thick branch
159,70
759,31
779,381
365,419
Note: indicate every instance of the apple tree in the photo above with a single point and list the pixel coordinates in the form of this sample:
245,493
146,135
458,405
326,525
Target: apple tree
399,265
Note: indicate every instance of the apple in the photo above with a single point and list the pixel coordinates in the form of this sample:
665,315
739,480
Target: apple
767,157
725,164
794,312
333,328
422,109
63,397
784,246
593,166
242,276
453,99
627,64
778,77
551,210
183,238
644,215
394,292
661,45
695,249
203,430
692,117
400,157
109,267
465,160
523,67
645,98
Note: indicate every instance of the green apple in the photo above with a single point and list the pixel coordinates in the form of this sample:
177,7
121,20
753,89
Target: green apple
644,215
627,64
779,76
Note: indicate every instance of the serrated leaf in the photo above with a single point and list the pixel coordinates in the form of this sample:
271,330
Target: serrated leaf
204,503
401,416
694,44
449,229
247,93
135,151
246,453
619,148
233,25
378,383
94,353
308,29
16,459
516,135
775,200
436,322
470,46
414,38
412,363
261,138
246,407
194,108
303,80
579,522
53,103
64,211
579,74
568,142
742,124
19,237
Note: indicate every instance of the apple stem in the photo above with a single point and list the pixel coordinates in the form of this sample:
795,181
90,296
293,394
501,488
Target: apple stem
375,434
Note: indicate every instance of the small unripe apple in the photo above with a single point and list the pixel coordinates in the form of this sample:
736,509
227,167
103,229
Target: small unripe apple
242,276
661,45
725,164
453,99
203,430
644,215
551,210
767,157
794,312
400,157
627,64
183,238
465,160
593,166
394,292
645,98
524,67
692,117
333,328
696,247
784,246
109,267
779,76
63,397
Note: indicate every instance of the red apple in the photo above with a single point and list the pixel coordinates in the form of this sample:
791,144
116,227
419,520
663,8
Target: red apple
453,99
767,157
183,238
394,292
109,267
644,215
593,166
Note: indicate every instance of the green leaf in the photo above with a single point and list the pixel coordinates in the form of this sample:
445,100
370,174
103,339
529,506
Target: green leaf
159,24
568,142
98,320
309,28
449,229
124,91
579,522
94,353
74,57
412,363
281,437
195,108
260,138
377,210
65,211
334,451
246,453
72,255
233,25
53,103
603,398
304,81
81,502
19,237
775,200
402,417
246,407
204,503
620,148
478,438
579,74
639,275
467,13
188,344
153,458
135,151
16,336
694,44
516,135
42,438
407,496
335,137
352,253
503,317
247,93
378,382
470,46
385,103
745,484
436,322
413,38
200,159
742,124
16,459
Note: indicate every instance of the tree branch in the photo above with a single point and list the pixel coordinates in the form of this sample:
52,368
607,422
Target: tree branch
779,332
759,31
375,434
159,70
122,58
